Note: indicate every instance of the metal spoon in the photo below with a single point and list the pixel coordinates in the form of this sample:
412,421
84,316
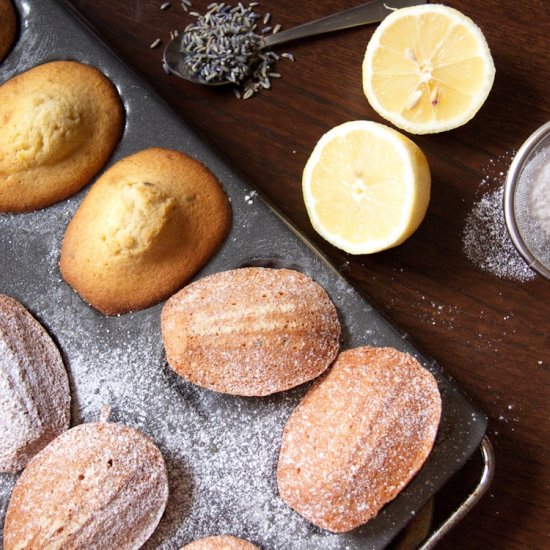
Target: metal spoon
371,12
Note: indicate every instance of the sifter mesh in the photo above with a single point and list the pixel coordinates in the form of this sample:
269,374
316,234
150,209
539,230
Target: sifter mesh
527,210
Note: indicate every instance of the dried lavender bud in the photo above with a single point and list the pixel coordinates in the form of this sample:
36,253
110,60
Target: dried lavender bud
223,45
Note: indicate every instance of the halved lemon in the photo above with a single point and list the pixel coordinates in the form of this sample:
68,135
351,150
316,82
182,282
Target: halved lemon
427,69
366,187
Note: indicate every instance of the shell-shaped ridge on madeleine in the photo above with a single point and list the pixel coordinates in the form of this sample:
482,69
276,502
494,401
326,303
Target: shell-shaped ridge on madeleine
146,226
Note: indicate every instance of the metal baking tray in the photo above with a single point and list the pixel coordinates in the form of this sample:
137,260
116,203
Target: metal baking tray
221,451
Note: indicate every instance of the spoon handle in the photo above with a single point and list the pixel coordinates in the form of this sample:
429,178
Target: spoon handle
371,12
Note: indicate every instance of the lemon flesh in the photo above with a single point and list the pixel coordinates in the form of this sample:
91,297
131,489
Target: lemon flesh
366,187
427,69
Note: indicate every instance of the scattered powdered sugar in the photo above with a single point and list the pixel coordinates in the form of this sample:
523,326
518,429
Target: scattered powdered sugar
7,481
30,46
249,198
221,451
485,238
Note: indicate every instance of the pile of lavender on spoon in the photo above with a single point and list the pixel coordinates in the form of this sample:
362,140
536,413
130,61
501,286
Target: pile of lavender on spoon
225,45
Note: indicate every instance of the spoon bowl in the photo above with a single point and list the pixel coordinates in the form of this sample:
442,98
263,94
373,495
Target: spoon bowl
174,61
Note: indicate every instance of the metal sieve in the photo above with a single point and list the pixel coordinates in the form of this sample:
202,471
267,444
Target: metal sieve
526,232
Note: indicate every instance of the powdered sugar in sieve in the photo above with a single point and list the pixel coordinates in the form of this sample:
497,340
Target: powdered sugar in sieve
527,200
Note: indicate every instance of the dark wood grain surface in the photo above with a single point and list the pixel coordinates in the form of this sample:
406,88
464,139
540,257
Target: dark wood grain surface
490,333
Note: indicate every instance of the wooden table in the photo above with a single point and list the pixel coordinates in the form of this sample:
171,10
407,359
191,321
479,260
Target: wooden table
489,333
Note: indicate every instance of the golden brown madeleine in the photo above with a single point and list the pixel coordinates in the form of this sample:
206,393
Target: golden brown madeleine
251,331
358,437
145,228
220,542
60,121
34,388
99,486
8,27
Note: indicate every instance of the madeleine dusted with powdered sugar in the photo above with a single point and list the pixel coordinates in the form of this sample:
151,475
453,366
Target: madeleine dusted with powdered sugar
98,485
34,389
220,542
251,331
358,437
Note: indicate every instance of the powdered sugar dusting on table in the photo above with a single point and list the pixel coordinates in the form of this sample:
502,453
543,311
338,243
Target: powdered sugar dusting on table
485,239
